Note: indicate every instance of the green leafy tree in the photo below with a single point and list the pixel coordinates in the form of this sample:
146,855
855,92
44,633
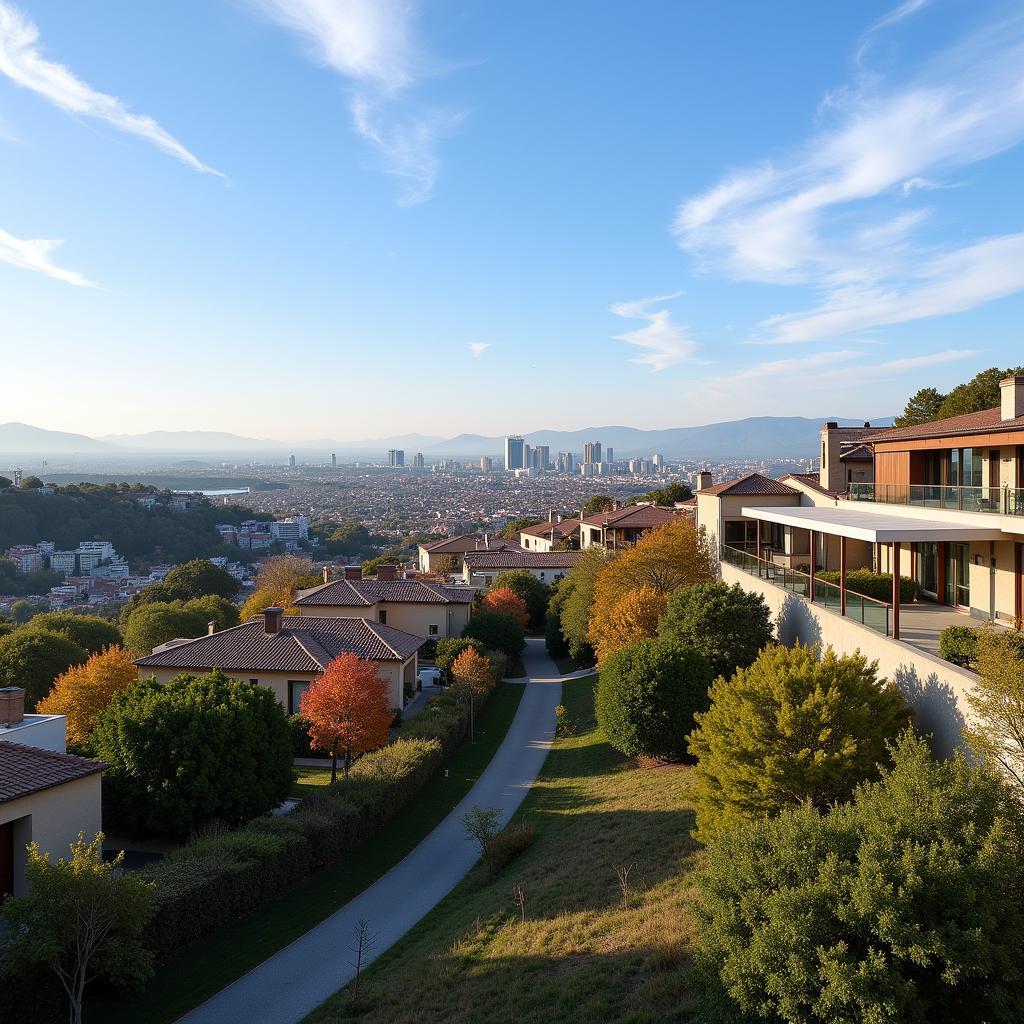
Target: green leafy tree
5,482
728,625
554,640
31,483
524,584
348,539
647,695
922,407
33,658
90,632
82,918
979,393
575,613
22,611
150,625
198,578
787,729
512,530
906,905
496,633
449,648
598,503
196,750
667,495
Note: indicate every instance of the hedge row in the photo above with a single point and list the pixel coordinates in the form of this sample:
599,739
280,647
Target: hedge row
221,875
874,584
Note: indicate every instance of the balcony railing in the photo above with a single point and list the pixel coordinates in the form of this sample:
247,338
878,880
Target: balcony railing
1007,501
868,611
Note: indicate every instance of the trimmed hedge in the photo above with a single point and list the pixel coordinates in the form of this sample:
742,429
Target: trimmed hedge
221,875
959,644
874,584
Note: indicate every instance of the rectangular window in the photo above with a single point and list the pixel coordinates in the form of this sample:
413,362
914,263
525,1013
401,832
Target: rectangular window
382,617
296,688
432,630
254,682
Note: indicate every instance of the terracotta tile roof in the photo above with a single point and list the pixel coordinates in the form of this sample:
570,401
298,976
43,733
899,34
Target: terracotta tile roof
26,770
752,483
633,517
366,593
305,644
559,531
985,422
460,545
522,559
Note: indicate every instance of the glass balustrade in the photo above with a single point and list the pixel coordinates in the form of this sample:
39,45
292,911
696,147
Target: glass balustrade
997,500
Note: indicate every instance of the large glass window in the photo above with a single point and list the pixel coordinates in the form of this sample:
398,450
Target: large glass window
296,688
928,567
958,562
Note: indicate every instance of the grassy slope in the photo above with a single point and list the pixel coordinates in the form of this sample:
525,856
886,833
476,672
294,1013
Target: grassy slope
582,955
207,966
308,780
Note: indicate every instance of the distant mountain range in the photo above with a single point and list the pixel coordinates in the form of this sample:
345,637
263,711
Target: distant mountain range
780,436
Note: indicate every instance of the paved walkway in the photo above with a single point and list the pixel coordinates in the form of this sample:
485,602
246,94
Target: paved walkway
298,978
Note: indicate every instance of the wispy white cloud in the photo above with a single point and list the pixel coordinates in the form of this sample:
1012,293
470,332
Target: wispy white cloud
22,61
372,44
34,254
665,343
477,348
836,214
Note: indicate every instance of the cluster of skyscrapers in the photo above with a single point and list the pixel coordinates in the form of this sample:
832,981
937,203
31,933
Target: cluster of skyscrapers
520,457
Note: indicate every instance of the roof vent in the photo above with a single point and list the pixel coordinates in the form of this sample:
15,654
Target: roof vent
273,619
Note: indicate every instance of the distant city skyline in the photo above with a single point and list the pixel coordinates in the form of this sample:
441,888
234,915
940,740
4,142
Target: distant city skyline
345,207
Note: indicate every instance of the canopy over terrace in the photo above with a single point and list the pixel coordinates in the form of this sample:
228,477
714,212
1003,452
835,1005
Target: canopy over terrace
872,527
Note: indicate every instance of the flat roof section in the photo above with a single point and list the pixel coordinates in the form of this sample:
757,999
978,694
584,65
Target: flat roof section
874,527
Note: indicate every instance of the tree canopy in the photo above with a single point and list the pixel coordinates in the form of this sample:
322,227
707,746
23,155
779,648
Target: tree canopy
595,504
667,495
33,658
90,632
979,393
197,578
634,615
150,625
530,589
505,601
496,632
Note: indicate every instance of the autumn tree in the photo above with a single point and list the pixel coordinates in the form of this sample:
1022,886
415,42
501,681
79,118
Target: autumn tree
446,565
574,612
524,584
84,691
634,616
473,679
348,709
82,918
276,584
505,601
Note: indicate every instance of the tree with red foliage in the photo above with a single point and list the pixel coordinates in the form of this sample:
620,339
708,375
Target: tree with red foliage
349,710
505,601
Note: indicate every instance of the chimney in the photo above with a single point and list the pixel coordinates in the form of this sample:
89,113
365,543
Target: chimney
703,480
1011,398
353,572
551,516
327,574
12,706
272,620
387,572
830,468
867,424
211,628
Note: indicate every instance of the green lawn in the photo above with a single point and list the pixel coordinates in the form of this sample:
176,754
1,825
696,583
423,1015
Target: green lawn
206,967
584,953
307,780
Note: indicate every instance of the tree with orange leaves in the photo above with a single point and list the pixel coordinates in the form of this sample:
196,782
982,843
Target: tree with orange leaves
473,679
618,623
84,691
348,709
505,601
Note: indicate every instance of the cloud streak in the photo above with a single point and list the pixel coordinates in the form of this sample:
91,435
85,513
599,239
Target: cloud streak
34,254
477,348
664,342
23,63
371,44
837,214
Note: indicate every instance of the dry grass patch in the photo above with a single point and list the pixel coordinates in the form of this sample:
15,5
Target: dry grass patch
591,949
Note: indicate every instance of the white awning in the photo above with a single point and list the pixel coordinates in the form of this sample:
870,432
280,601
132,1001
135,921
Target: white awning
874,527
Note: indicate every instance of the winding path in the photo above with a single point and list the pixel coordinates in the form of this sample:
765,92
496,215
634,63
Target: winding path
298,978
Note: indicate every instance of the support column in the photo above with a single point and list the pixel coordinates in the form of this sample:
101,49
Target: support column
895,590
759,547
814,564
842,575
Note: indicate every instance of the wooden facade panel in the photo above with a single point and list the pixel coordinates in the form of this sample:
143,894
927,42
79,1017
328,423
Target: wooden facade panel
892,468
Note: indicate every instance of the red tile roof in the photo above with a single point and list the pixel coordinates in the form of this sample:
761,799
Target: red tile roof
522,559
633,517
460,545
305,644
985,422
557,531
752,483
365,593
26,770
812,480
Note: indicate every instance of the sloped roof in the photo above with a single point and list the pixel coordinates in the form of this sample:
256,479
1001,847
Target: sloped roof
558,531
856,453
304,644
25,770
365,593
812,480
522,559
633,517
985,422
460,545
752,483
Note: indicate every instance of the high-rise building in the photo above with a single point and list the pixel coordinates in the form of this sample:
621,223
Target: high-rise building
609,455
541,457
334,461
291,461
417,460
591,452
658,460
486,463
570,462
515,450
396,457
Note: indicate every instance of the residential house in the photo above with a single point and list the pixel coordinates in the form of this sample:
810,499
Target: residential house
481,568
436,553
620,527
556,534
287,652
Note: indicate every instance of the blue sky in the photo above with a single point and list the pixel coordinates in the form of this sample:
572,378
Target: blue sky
350,218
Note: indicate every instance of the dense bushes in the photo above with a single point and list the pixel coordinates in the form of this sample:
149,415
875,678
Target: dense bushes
195,750
496,632
220,876
524,584
873,584
449,648
149,625
647,694
905,905
959,644
90,632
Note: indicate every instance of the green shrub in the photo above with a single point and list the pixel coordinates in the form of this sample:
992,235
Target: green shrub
33,658
959,644
90,632
499,664
508,844
298,730
906,905
874,584
496,632
449,648
647,694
